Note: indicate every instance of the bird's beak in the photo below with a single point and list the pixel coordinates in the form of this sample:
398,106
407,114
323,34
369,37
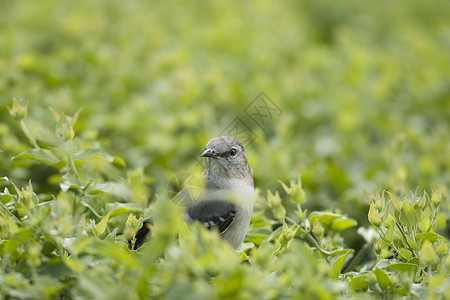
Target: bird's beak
208,153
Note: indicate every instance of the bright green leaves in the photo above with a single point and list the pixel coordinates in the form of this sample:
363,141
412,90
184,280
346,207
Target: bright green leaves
382,278
385,278
374,216
19,202
425,225
337,263
408,215
296,194
359,283
442,247
333,221
389,234
405,254
395,139
286,236
101,226
132,225
427,253
409,268
117,208
405,228
441,221
114,209
166,225
319,229
44,156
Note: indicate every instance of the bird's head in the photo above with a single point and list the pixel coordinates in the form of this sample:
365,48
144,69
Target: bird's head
225,158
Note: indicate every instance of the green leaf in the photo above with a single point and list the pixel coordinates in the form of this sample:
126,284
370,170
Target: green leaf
274,234
374,217
388,221
335,222
359,283
405,254
110,187
297,195
246,246
382,278
94,205
427,253
396,204
408,215
43,156
403,267
287,234
285,187
242,255
338,252
118,161
6,197
425,225
337,264
118,255
111,237
413,244
101,226
342,223
117,208
25,234
70,182
389,234
429,236
325,218
414,260
132,221
441,221
317,229
442,248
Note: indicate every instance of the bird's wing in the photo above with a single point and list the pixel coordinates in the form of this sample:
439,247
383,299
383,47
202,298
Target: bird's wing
181,198
213,214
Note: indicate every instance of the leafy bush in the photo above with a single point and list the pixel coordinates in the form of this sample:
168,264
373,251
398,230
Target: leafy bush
101,104
74,243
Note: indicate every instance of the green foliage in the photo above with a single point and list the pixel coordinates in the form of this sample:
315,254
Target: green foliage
406,247
102,103
74,243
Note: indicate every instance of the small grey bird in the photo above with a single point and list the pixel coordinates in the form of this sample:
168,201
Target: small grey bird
227,200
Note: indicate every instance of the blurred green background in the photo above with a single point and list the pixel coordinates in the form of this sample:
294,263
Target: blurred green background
363,86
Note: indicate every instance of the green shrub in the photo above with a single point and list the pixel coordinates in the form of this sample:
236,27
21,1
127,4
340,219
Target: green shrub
103,103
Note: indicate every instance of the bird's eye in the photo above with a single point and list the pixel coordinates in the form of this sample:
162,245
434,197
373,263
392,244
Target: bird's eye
233,152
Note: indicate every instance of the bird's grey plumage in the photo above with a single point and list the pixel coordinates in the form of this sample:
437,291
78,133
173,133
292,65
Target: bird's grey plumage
227,201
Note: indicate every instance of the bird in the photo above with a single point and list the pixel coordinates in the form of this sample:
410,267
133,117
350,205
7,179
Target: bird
226,202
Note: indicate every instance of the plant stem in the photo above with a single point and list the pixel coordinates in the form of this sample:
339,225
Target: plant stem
311,238
357,258
290,220
405,239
